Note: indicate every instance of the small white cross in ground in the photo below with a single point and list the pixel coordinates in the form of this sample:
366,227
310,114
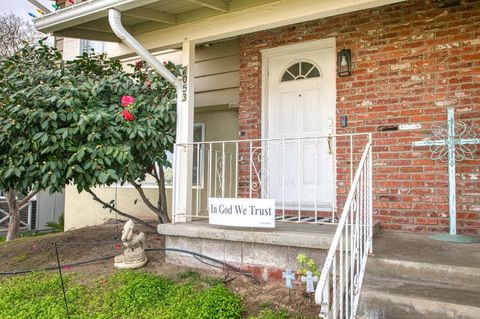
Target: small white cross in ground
309,279
289,277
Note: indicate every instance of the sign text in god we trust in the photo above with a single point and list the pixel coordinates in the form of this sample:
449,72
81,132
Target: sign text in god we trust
242,212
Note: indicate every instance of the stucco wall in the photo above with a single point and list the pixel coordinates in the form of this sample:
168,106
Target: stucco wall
81,210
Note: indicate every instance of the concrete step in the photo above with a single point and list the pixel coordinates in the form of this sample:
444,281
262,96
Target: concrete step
453,276
400,299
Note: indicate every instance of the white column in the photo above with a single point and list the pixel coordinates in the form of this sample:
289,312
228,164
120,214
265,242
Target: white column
183,155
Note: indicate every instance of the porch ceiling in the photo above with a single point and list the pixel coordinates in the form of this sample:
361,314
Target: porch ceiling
88,19
161,24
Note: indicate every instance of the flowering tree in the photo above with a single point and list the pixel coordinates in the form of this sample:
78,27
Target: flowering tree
86,122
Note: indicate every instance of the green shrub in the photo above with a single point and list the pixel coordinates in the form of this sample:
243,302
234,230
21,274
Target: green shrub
306,264
131,294
125,294
60,226
36,295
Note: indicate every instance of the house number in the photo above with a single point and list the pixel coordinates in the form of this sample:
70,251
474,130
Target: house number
184,84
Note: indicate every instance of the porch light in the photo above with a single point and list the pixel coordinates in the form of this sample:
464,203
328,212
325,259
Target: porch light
344,67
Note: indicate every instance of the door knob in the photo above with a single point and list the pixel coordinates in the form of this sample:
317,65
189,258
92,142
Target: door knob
329,140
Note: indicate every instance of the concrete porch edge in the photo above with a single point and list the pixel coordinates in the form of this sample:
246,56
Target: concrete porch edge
285,234
281,236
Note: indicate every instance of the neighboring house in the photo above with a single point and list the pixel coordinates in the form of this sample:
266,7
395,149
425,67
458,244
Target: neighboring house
41,209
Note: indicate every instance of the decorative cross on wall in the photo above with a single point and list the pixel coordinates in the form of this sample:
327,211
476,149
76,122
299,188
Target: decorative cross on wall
309,279
454,143
289,277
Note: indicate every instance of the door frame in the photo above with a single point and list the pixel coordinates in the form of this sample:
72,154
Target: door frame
267,54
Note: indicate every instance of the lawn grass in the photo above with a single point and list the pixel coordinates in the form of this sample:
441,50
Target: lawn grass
27,234
126,294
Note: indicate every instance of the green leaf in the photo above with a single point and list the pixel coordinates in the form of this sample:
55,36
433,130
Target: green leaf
80,154
9,172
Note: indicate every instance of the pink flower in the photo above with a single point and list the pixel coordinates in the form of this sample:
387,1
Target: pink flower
127,100
139,64
127,116
67,267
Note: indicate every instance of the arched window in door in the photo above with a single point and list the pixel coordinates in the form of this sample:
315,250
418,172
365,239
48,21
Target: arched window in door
301,70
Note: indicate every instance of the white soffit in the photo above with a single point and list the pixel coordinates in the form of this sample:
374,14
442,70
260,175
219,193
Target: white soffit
243,16
231,24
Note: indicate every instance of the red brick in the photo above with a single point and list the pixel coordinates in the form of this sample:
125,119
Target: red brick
274,274
444,67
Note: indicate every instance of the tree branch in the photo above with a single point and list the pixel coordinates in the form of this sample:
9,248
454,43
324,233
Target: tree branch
158,175
96,198
143,196
155,176
27,198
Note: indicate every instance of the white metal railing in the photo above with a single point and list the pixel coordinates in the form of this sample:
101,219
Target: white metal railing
339,286
5,215
302,174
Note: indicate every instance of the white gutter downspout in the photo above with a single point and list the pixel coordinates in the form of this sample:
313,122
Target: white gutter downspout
115,20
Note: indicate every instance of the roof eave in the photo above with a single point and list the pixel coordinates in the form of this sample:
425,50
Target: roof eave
84,12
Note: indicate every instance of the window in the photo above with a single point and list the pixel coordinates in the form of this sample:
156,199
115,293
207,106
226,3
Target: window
198,155
198,159
88,45
198,136
299,71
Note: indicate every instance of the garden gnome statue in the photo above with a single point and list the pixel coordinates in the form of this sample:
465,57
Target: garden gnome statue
134,256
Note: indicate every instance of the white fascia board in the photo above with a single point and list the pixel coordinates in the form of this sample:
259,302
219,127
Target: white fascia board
253,19
84,12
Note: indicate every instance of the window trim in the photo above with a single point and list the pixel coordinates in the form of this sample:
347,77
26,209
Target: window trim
300,76
84,47
202,160
151,185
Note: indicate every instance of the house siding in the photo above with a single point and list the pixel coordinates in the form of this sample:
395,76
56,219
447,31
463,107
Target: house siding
410,61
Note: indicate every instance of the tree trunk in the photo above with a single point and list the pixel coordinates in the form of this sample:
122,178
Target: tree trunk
162,198
106,205
13,209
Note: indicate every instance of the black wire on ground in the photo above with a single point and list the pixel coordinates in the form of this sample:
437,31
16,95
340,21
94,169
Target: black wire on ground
61,280
198,256
231,267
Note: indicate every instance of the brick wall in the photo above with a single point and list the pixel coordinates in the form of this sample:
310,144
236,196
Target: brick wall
410,62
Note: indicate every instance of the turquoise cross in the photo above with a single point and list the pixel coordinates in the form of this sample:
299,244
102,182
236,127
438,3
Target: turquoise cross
448,147
289,277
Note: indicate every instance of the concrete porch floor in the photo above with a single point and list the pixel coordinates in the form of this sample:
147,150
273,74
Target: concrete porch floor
412,276
416,247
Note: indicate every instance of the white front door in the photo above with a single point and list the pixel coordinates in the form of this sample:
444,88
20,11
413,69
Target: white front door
301,104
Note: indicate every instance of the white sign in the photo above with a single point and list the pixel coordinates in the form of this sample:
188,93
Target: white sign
405,127
242,212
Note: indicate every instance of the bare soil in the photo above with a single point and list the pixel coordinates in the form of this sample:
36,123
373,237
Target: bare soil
104,241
